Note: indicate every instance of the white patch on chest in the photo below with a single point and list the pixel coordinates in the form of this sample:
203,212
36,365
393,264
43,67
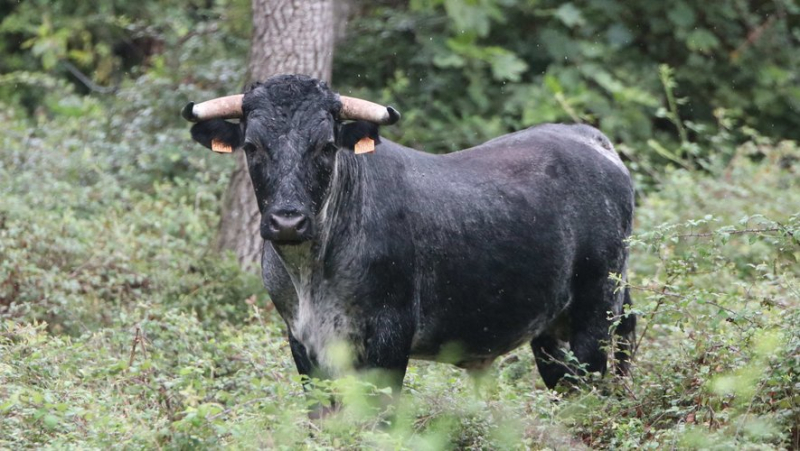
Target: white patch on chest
322,322
326,330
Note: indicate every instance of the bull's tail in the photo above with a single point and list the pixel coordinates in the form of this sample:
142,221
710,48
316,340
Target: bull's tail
626,336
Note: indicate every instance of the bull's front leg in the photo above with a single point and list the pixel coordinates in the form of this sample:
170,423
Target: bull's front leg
304,365
386,351
373,345
308,369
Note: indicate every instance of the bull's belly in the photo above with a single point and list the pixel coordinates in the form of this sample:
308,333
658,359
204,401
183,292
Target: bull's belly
456,353
475,344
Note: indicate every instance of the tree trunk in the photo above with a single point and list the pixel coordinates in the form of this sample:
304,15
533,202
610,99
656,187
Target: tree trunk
289,37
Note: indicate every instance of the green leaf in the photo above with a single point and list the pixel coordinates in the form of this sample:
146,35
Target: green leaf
552,83
618,35
51,421
681,15
506,65
570,15
448,60
6,406
701,40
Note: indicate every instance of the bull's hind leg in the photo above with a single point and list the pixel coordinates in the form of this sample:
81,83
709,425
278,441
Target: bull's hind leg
588,323
550,359
596,299
626,338
588,344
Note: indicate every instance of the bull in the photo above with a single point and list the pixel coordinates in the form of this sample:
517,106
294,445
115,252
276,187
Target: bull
401,254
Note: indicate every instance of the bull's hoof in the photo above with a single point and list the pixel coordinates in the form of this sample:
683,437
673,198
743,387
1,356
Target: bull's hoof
322,412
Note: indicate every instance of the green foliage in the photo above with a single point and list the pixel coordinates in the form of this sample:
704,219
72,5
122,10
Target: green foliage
490,66
99,45
118,327
463,72
150,341
85,215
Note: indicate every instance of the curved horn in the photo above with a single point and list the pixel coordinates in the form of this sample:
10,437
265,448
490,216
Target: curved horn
229,107
355,109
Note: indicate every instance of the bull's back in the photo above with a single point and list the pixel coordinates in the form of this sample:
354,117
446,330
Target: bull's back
496,231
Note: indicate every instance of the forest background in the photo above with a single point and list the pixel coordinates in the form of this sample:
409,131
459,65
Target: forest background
121,326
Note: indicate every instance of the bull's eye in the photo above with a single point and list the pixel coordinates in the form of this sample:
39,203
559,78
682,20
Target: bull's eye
249,147
329,148
325,155
326,151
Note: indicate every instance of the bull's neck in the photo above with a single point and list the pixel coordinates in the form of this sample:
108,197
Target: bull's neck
345,206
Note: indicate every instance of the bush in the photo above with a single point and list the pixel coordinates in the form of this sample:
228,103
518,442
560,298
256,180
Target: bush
496,66
108,207
119,328
153,343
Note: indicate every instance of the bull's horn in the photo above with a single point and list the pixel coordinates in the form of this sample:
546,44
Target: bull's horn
355,109
229,107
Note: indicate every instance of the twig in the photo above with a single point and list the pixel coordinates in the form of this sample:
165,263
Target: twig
509,359
628,388
655,421
136,339
675,436
142,340
733,232
229,409
788,232
86,80
650,320
732,312
754,35
208,30
314,426
566,365
86,263
749,407
712,422
165,395
564,104
666,293
624,151
666,74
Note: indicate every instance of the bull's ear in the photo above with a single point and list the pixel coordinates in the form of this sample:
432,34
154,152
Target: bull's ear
218,135
361,136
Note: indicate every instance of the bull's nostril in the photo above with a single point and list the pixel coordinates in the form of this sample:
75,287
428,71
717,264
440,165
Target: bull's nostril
275,223
288,226
301,225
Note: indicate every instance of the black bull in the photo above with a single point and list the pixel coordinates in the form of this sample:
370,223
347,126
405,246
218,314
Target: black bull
460,258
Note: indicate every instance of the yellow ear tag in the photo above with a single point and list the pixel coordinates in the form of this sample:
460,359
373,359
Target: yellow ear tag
220,147
366,145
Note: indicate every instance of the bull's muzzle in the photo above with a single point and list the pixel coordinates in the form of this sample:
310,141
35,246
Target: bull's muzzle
286,227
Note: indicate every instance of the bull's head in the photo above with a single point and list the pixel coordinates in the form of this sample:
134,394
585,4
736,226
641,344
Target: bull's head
290,128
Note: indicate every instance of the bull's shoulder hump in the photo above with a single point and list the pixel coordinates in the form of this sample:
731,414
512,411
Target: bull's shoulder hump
554,137
588,136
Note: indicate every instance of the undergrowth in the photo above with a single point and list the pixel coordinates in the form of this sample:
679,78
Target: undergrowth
120,328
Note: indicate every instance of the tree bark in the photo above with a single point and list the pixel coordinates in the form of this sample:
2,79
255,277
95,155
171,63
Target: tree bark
289,37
